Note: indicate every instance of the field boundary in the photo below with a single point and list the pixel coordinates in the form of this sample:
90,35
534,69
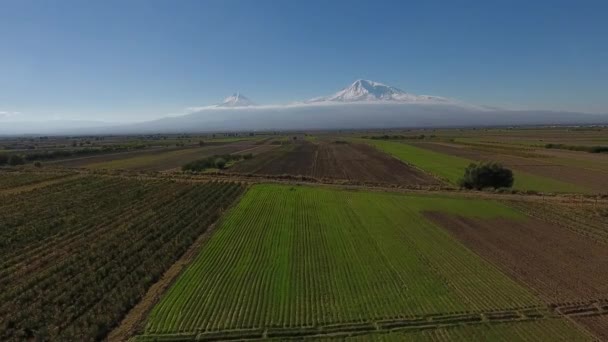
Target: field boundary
37,185
134,320
568,311
583,199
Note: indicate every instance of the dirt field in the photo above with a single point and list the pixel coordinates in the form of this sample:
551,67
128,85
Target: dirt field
560,265
534,162
597,324
330,160
589,220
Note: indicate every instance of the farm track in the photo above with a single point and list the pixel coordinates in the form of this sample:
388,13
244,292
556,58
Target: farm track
591,312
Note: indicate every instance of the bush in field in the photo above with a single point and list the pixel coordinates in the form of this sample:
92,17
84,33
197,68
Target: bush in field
216,161
3,159
486,175
220,163
16,159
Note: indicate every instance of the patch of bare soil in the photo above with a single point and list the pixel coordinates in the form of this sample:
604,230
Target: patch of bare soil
598,324
361,162
343,161
560,265
563,267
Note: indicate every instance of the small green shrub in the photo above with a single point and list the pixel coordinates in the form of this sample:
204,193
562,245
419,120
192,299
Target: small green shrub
486,175
220,163
16,159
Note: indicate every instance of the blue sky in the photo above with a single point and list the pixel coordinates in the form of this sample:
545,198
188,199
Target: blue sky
134,60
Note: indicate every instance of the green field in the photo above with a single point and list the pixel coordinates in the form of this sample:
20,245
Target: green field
295,257
451,169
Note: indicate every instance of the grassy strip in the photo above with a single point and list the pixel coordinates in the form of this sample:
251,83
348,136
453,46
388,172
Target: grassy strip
451,169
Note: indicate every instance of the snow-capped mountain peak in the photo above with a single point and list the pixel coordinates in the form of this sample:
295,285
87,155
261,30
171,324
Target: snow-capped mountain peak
236,100
370,91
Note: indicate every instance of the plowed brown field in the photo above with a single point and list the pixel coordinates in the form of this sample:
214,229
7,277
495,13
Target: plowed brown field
560,265
328,160
597,324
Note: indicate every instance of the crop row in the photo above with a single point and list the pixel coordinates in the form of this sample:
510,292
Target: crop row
14,179
79,254
298,257
587,219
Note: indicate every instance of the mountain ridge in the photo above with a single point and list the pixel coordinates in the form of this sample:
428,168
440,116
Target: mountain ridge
371,91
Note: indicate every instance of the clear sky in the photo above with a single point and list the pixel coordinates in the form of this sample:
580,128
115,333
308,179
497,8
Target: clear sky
134,60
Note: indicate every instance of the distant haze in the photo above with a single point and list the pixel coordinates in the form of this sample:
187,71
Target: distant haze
363,104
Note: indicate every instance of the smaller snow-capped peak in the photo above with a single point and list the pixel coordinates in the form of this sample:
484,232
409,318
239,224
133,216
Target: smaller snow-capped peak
236,100
370,91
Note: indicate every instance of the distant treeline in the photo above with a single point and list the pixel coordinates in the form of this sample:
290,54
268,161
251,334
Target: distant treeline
590,149
17,159
391,137
217,161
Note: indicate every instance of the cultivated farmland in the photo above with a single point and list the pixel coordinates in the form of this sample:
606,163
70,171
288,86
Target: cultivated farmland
9,180
94,246
535,164
164,159
450,168
337,160
302,261
76,255
558,263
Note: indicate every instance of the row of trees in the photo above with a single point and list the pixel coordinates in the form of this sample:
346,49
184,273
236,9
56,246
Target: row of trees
590,149
12,160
